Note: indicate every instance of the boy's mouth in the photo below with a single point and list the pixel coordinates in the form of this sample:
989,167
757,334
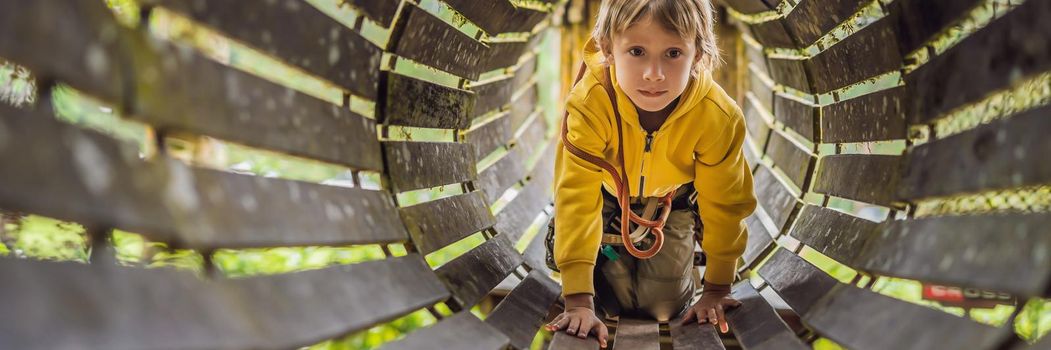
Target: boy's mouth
649,93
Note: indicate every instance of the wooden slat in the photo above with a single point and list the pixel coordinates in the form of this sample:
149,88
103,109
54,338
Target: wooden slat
868,178
514,218
920,20
812,19
694,336
523,106
336,53
1003,154
755,323
993,252
498,16
472,275
380,11
871,51
1007,50
794,161
563,341
112,307
415,37
535,253
877,116
773,197
750,6
61,171
773,34
522,312
791,73
54,39
798,116
460,331
416,165
507,54
415,102
175,89
435,224
758,130
492,96
837,235
798,282
498,177
525,72
750,155
489,137
763,92
637,334
756,56
759,240
861,319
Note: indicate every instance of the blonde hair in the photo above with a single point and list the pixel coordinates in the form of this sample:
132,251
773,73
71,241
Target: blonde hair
693,20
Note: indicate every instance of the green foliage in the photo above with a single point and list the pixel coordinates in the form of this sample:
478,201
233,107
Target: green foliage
39,237
1034,321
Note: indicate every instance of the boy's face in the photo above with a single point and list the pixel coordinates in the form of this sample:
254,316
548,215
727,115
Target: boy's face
653,64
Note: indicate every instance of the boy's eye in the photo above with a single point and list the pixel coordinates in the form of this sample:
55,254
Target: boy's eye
635,51
673,53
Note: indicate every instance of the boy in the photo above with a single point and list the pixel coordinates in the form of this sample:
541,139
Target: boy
681,134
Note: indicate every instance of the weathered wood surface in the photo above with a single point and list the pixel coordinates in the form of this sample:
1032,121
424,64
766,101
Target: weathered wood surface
489,137
994,252
1007,50
415,102
867,53
1003,154
758,130
791,73
502,55
756,325
112,307
59,170
498,16
416,165
522,312
175,89
861,319
438,223
514,218
563,341
878,116
837,235
694,336
535,254
492,95
637,334
759,240
764,93
416,34
812,19
524,106
797,163
920,20
773,197
380,11
472,275
756,56
799,116
868,178
751,6
500,176
460,331
798,282
279,29
773,34
750,154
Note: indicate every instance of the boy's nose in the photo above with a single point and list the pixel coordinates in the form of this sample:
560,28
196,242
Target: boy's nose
653,73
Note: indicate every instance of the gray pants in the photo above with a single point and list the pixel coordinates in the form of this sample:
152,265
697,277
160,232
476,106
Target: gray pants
660,287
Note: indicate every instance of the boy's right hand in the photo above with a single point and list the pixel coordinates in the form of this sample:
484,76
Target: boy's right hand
579,319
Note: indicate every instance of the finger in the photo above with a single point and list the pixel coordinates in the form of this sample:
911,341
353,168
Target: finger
574,325
712,317
689,315
603,334
554,322
585,327
721,315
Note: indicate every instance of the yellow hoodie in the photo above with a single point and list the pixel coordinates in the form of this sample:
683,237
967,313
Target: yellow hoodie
699,142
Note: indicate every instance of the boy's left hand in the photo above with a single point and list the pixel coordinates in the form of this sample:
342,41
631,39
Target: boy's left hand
711,307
